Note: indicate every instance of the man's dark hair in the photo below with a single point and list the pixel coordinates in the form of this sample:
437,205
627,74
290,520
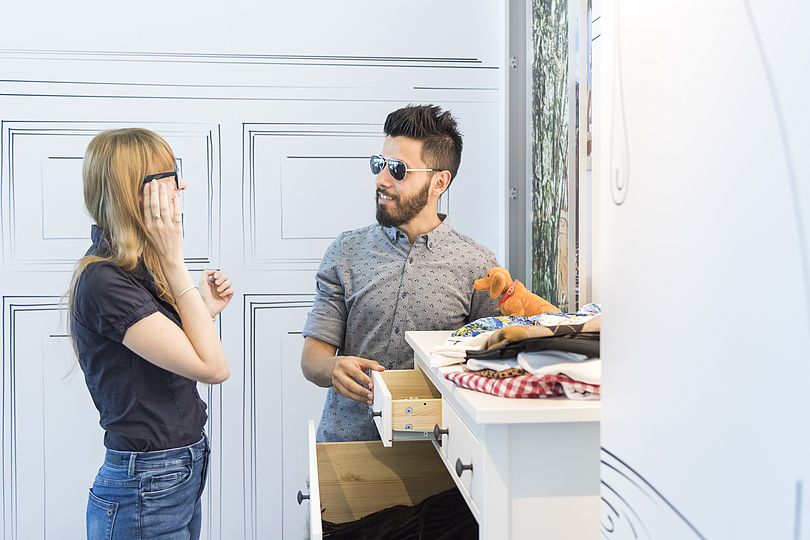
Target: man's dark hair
437,131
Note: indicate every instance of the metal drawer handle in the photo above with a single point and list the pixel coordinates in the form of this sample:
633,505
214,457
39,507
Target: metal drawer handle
372,413
460,467
438,432
301,497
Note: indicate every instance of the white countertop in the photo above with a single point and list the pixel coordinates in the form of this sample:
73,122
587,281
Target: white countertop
488,409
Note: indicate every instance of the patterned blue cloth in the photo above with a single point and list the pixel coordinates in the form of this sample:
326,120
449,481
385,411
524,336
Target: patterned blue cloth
486,324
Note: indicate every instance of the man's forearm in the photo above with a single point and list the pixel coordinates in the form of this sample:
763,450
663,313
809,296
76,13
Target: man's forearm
317,362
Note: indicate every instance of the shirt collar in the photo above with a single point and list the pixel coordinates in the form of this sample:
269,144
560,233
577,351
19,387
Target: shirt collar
431,238
101,244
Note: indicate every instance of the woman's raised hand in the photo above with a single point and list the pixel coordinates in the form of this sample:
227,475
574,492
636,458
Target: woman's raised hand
161,212
216,291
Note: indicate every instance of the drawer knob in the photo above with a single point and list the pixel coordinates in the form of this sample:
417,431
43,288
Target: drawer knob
372,413
438,432
301,497
460,467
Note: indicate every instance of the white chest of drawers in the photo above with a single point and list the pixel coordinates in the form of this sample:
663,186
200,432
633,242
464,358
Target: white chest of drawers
528,468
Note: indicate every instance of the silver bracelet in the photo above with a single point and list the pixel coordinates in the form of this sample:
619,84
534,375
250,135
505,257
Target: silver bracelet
177,298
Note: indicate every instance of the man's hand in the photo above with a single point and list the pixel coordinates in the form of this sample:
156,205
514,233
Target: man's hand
346,374
349,378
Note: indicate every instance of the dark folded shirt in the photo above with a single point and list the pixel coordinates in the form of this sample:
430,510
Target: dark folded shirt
586,343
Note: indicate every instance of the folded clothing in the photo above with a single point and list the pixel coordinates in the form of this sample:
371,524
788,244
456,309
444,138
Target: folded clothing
511,334
526,386
444,516
581,343
538,359
586,371
497,374
488,324
495,365
454,350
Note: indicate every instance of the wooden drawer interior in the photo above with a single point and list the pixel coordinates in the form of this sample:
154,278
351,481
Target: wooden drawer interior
360,478
415,403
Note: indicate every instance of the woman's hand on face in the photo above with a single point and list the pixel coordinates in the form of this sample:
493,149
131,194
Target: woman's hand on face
216,291
161,212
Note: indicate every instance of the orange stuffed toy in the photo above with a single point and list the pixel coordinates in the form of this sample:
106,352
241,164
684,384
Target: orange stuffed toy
516,299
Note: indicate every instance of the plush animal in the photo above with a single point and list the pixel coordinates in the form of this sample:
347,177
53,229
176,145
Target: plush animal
516,299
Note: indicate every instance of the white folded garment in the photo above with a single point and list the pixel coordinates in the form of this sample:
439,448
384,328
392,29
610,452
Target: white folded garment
571,392
495,365
587,371
454,350
536,360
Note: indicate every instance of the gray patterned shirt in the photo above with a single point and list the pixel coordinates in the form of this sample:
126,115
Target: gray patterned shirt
373,286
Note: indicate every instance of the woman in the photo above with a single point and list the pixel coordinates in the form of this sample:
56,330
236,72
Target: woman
144,336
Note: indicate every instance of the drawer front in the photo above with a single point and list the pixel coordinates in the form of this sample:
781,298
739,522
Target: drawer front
350,480
315,525
461,451
381,408
406,405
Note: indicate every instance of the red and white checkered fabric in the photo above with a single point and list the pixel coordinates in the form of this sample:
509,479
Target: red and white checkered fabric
524,386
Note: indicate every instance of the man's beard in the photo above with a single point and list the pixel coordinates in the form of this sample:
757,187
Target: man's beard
404,209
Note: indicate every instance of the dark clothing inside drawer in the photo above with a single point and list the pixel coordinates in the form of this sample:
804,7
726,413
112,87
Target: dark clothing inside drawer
444,516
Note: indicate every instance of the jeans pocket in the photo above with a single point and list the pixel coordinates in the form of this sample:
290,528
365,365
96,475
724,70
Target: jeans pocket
100,517
167,481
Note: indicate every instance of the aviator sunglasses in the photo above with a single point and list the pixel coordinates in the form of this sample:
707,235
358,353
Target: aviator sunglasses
397,168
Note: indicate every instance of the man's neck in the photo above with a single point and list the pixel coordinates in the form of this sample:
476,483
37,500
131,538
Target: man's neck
420,225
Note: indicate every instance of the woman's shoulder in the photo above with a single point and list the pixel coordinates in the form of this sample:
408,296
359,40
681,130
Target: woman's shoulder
101,271
105,277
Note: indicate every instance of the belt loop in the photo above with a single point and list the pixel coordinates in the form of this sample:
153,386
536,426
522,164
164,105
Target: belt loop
132,463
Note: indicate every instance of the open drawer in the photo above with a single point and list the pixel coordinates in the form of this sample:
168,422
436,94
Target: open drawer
350,480
406,405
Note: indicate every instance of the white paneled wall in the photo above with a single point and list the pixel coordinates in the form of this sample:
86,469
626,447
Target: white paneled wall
273,110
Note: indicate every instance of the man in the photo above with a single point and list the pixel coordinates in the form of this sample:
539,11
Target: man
411,271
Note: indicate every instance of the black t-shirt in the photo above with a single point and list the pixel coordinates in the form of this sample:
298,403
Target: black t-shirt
142,407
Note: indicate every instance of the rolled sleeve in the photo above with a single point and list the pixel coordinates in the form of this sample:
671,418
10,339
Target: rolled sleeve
108,301
326,320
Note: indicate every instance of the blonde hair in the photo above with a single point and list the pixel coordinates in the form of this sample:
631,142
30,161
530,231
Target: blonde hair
115,165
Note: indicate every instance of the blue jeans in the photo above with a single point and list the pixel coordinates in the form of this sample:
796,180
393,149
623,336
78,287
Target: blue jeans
149,495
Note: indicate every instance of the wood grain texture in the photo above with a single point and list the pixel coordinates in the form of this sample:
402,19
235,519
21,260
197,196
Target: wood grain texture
360,478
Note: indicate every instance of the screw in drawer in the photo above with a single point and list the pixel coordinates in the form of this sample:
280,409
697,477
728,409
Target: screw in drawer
408,410
408,426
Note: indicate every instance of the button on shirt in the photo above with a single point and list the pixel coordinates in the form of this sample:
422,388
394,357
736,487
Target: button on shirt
142,407
373,286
